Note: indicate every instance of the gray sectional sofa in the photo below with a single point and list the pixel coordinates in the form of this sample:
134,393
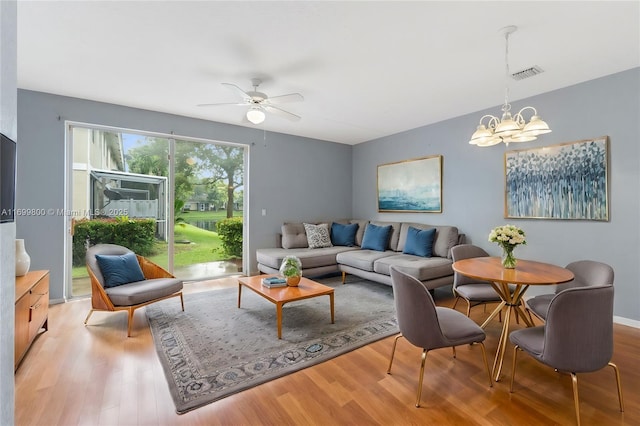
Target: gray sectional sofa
434,271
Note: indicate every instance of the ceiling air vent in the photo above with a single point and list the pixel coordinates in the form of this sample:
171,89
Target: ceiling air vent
526,73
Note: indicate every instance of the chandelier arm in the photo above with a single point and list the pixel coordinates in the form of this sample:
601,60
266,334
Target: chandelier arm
535,112
493,121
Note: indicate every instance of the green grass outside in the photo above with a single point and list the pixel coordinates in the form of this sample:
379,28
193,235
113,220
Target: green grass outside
205,246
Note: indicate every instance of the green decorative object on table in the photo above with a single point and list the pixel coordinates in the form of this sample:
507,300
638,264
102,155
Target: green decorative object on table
508,237
291,269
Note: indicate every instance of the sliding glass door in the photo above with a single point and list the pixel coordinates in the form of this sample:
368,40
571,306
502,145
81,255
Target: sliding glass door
177,202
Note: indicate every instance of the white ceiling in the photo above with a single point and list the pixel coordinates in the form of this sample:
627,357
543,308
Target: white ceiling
366,69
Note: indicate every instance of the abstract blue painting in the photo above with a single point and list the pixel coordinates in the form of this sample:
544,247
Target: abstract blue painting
411,186
565,181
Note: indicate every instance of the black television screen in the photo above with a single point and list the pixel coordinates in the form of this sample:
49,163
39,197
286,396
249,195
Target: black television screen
8,179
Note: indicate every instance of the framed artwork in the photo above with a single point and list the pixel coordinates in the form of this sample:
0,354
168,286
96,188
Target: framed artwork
411,186
565,181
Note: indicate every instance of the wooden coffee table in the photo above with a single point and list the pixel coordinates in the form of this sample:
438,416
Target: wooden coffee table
281,295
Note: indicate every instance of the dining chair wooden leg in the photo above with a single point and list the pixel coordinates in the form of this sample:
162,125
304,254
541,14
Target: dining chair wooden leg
424,358
617,372
513,367
576,401
455,302
393,351
486,363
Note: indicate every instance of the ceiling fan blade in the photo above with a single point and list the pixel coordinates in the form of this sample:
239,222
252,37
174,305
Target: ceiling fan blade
244,95
291,97
223,103
282,113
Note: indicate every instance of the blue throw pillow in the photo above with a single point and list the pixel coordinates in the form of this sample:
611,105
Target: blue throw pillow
119,269
376,237
419,241
344,235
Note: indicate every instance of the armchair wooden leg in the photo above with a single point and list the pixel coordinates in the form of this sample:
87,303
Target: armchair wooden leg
393,351
344,277
87,318
130,321
182,301
576,401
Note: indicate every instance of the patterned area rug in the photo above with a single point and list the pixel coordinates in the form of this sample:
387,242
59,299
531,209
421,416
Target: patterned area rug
213,349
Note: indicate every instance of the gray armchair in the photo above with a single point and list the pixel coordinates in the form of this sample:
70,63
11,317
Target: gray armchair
576,338
155,284
586,272
427,326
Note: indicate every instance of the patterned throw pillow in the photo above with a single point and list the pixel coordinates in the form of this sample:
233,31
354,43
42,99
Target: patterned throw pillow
318,235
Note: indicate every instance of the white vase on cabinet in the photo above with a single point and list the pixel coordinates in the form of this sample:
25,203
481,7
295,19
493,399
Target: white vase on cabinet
23,260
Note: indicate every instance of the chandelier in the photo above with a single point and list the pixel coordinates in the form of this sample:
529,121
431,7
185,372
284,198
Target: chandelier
509,128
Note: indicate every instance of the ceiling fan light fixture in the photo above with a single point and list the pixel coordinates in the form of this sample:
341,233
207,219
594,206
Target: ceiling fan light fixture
255,115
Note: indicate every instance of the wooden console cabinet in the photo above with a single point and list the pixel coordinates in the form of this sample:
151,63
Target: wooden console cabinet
32,309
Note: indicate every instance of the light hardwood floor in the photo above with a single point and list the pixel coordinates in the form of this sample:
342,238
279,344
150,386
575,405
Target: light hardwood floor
95,375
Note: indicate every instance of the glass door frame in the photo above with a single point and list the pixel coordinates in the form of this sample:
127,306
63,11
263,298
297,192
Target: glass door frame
68,192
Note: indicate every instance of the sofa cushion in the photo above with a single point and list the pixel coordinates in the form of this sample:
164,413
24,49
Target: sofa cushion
419,241
423,268
343,235
310,258
317,235
119,269
362,259
376,237
294,236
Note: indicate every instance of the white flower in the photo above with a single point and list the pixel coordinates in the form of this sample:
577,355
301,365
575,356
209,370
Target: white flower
507,236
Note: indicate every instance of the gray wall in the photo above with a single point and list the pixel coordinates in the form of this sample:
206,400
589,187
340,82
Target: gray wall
8,126
293,178
473,180
313,185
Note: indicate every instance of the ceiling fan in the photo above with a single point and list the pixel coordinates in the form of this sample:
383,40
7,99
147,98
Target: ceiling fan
259,103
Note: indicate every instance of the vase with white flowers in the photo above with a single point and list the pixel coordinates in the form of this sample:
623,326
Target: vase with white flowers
508,237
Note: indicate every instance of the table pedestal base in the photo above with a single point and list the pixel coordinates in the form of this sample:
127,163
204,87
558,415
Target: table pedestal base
513,302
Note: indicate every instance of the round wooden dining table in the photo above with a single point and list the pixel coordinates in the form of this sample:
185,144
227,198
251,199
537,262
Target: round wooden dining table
526,273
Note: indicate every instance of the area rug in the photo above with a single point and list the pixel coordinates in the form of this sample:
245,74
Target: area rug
213,349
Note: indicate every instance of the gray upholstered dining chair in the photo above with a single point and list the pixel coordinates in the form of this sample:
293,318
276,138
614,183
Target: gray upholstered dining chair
473,291
576,338
427,326
586,273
